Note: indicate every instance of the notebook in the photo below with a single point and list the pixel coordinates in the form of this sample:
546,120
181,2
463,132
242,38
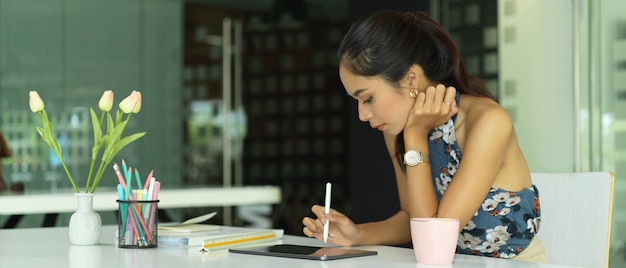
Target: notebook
223,237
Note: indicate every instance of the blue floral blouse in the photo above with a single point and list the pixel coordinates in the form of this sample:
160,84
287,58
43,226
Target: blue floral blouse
505,223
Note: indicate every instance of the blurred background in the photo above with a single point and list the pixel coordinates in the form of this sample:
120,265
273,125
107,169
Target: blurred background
246,92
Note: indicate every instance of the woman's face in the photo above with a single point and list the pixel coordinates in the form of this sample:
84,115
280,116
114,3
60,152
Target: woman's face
384,106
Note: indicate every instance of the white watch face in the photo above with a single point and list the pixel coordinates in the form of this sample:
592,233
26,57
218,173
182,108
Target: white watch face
412,158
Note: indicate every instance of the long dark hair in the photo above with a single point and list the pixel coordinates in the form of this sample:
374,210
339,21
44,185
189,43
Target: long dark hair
387,43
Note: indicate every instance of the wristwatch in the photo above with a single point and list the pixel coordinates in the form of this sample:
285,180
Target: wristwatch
413,157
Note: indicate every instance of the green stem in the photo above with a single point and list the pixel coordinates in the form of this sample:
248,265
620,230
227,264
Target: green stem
103,165
93,160
102,119
67,171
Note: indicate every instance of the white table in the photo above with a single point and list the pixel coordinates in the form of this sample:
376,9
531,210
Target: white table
50,247
104,200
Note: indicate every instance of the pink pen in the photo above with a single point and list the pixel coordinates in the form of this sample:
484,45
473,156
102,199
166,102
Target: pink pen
120,178
155,191
156,186
145,185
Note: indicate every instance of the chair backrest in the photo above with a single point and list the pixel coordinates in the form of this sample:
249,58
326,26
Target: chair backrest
575,217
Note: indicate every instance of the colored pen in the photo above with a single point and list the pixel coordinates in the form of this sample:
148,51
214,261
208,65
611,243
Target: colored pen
156,186
127,176
151,188
124,209
124,169
138,179
120,192
155,190
120,178
327,209
147,184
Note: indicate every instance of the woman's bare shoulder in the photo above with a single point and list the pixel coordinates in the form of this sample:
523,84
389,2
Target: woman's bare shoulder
484,110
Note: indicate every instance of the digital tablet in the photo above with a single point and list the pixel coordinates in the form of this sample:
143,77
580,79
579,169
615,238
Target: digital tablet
305,252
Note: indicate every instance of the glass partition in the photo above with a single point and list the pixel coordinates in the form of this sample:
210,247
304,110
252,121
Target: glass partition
71,51
563,79
608,96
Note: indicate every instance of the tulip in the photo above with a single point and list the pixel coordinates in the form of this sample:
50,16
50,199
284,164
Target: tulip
132,103
108,142
138,104
35,102
106,101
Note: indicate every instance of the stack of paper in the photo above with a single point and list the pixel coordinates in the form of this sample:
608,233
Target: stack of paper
188,233
210,237
233,237
187,229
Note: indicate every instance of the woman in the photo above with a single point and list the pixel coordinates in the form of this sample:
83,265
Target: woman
454,149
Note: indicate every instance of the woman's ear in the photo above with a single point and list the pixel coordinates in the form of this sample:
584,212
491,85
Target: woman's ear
415,78
410,80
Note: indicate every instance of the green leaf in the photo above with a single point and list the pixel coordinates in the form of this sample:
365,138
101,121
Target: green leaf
44,119
48,131
123,142
44,136
95,149
117,132
112,139
51,141
42,132
95,122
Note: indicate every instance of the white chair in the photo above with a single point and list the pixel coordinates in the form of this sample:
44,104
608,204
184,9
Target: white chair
576,217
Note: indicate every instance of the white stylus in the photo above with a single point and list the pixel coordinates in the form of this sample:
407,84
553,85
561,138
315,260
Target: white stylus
327,209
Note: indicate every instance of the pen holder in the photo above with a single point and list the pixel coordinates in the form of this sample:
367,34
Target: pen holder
137,223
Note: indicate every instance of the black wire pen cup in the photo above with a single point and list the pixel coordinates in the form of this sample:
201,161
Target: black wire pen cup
137,224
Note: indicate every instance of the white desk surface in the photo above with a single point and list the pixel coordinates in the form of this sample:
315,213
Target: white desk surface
50,247
104,200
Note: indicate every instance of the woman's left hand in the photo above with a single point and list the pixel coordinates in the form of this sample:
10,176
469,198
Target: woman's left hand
432,108
342,231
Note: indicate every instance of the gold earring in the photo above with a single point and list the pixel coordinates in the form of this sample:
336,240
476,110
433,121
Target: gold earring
413,93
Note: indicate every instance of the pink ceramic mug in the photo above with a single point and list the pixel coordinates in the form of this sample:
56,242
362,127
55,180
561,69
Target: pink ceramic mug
434,240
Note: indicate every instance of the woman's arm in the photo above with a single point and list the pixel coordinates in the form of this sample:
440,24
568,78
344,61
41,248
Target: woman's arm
394,230
343,232
487,136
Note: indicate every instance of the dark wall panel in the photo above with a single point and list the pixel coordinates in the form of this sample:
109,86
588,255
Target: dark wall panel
370,173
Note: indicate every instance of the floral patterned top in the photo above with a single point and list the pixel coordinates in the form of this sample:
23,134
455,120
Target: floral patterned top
505,223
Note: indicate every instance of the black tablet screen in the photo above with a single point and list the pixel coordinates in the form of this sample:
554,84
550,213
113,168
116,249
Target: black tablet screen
305,252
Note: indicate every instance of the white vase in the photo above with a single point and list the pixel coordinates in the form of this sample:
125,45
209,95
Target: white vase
85,224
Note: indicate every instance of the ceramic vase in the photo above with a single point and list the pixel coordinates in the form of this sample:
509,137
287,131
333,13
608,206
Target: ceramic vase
85,224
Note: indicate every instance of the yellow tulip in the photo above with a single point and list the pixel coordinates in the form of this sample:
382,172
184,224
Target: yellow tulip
138,104
106,101
35,102
132,103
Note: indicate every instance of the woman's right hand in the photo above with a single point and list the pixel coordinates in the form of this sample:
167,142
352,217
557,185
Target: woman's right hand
433,107
342,231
